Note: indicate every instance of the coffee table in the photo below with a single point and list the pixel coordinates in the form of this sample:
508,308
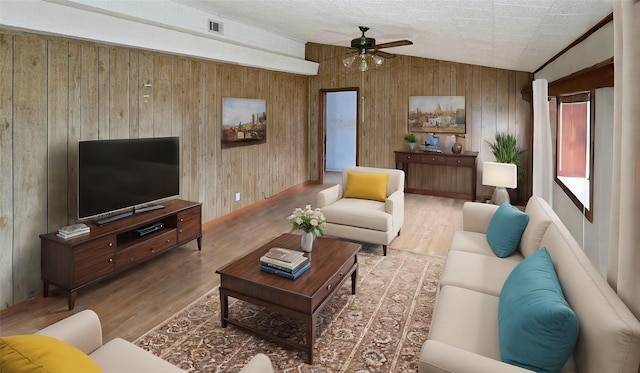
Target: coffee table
332,263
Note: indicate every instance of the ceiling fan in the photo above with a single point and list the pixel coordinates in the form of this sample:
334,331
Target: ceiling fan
365,47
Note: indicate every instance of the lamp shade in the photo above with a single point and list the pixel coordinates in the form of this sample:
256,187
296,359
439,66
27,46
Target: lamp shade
364,66
377,60
500,174
348,61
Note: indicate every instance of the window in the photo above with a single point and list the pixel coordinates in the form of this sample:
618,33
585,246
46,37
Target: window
574,148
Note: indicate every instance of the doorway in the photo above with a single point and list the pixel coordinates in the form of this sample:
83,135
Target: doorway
339,130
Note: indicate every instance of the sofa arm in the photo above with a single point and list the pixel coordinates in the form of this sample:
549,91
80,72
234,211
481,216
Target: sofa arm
437,357
476,216
81,330
394,205
328,196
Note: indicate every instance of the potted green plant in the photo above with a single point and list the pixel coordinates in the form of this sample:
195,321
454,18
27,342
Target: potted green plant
410,139
506,150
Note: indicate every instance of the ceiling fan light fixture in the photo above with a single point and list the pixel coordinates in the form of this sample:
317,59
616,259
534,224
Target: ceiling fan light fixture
367,48
377,60
364,66
348,61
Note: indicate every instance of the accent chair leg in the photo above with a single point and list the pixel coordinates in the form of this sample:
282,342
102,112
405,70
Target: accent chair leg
384,250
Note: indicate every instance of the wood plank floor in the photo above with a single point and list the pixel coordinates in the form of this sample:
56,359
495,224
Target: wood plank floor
139,299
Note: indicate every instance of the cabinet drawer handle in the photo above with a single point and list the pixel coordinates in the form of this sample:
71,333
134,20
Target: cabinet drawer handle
153,250
408,157
458,161
168,240
110,244
131,259
181,219
179,231
433,159
110,260
329,287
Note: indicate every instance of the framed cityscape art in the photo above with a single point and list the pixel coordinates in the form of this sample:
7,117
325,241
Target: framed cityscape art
437,114
244,121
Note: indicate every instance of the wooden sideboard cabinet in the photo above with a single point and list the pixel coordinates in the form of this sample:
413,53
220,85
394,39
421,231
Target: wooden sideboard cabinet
439,174
113,247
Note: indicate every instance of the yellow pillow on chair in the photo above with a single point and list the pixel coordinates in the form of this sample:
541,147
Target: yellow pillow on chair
366,186
42,354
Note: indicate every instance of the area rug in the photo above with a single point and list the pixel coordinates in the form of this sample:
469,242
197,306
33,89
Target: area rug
379,329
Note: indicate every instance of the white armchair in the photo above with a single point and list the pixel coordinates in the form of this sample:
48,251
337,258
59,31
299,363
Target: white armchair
364,220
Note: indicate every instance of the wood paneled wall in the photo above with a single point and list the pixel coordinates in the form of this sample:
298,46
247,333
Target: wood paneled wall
55,92
493,104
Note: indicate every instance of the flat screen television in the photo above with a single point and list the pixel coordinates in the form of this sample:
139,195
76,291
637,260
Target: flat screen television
114,175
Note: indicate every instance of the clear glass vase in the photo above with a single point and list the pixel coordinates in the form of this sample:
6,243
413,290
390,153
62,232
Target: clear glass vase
306,242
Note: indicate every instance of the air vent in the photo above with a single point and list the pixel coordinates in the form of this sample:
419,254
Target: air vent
215,26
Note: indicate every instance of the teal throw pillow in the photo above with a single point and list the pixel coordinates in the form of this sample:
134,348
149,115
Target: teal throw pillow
538,329
505,229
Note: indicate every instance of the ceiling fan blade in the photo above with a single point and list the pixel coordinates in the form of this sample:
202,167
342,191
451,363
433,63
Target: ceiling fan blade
383,54
397,43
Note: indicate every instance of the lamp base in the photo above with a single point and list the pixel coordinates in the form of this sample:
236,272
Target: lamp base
500,196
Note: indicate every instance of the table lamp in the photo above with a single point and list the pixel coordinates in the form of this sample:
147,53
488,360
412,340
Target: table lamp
501,176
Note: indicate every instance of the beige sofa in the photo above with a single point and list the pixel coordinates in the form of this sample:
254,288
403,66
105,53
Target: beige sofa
84,331
364,220
464,335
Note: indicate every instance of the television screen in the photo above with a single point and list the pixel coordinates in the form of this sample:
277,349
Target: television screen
117,174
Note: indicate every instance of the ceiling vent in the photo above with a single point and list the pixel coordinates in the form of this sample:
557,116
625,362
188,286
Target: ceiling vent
215,27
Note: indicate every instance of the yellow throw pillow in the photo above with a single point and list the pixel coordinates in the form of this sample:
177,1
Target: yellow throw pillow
42,354
366,186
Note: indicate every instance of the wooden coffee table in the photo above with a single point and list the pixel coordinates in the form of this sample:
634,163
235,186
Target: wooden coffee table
332,263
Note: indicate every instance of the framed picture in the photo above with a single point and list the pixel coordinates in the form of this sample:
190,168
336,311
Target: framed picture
437,114
244,121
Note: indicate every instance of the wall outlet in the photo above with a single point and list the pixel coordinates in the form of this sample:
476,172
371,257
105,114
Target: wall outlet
237,196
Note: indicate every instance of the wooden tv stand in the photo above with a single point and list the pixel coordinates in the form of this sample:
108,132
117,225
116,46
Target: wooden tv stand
111,248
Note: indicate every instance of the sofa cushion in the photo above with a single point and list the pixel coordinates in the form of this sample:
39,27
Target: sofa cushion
41,353
505,229
473,242
366,186
477,272
540,216
466,319
538,330
362,213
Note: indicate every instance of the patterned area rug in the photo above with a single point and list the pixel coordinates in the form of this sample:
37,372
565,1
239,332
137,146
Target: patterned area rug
379,329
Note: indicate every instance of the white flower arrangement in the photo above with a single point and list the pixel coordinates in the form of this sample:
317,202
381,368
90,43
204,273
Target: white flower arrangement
308,220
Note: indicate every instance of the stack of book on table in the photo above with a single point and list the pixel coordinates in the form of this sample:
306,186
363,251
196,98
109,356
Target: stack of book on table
284,262
73,230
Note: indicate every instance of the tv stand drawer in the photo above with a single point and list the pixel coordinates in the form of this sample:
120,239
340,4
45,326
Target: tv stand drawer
146,249
189,224
93,260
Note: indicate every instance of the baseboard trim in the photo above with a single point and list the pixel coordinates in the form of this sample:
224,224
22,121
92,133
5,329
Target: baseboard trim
254,205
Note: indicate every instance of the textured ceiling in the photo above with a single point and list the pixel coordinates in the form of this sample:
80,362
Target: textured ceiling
510,34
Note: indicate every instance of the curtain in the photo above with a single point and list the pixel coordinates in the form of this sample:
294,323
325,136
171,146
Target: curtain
542,176
623,271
